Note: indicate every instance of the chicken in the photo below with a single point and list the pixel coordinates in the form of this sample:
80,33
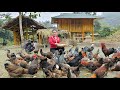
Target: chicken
76,70
90,55
14,70
95,56
34,66
76,60
70,74
43,63
84,54
26,57
117,75
48,54
101,71
107,51
60,57
76,51
116,55
116,67
88,49
47,73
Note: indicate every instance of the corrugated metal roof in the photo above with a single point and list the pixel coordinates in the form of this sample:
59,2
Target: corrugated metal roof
73,15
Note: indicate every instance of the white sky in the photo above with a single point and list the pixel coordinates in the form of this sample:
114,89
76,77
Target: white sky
44,15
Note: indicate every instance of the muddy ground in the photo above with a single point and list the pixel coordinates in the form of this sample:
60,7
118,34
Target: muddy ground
84,72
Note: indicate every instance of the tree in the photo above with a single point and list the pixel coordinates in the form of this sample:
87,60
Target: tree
31,15
5,34
97,25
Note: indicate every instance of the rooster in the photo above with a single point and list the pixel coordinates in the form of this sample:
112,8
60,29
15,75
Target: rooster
107,51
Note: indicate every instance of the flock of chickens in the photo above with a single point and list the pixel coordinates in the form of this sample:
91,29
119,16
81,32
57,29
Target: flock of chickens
64,64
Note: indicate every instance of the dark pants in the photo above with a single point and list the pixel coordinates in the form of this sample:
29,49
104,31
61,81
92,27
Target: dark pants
54,49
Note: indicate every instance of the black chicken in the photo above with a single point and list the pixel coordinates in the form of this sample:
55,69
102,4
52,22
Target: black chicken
75,61
48,54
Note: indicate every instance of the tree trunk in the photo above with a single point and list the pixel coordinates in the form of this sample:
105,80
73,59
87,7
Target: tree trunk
21,30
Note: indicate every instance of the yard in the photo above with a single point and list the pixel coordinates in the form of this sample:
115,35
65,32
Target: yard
84,72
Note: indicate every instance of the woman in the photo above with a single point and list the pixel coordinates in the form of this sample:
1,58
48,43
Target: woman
53,41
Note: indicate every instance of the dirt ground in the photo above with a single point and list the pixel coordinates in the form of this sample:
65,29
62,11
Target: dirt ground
84,72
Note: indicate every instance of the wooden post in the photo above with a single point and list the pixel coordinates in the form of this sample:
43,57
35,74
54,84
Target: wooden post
82,35
21,30
92,35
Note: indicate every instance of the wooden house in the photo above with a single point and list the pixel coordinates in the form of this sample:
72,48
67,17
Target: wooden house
76,24
29,25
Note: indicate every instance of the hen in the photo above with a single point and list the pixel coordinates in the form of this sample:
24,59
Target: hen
76,60
33,68
116,67
15,71
101,72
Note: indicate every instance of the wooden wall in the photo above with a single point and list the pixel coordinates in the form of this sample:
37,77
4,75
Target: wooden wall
75,25
16,38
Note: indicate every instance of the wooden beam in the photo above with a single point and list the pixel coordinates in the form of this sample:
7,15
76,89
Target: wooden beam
92,30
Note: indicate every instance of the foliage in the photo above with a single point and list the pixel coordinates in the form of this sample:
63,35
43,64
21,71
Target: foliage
32,15
5,34
105,32
97,25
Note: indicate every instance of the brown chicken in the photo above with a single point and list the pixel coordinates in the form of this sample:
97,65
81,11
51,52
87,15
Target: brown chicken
107,51
14,70
116,67
116,55
101,71
26,57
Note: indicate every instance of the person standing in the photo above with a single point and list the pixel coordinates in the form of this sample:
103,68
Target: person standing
53,41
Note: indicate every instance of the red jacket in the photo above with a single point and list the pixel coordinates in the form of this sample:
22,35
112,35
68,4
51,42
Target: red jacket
52,40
